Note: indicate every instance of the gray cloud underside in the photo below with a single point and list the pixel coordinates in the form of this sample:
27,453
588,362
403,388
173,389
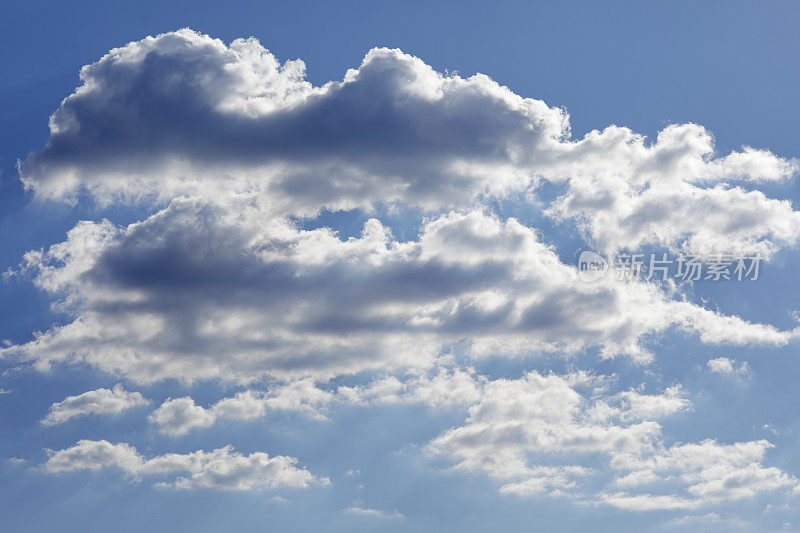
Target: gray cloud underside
198,291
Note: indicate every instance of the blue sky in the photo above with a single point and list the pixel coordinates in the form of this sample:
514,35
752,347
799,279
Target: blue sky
363,294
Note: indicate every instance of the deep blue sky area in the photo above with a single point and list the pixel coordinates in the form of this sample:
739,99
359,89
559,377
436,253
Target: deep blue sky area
731,66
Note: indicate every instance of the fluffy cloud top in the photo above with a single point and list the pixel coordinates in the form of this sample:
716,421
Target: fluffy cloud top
218,469
182,113
100,401
185,112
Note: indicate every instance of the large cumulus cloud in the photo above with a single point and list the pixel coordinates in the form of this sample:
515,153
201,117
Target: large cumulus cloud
198,291
185,113
221,283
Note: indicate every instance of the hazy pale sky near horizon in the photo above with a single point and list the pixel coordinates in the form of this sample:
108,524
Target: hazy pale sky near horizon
313,266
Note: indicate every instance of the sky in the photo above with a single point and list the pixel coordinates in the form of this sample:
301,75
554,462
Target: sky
317,266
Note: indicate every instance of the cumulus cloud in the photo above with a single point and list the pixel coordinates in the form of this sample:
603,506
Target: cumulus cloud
229,150
660,195
183,105
442,389
182,113
100,401
536,436
222,468
445,388
221,282
198,291
711,472
179,416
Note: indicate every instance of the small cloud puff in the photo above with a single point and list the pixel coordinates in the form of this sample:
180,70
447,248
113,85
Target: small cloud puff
728,367
96,402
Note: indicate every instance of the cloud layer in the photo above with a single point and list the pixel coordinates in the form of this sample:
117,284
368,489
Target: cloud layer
196,291
538,435
442,389
234,156
223,282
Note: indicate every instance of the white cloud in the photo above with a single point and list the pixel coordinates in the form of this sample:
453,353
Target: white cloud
242,406
99,402
197,291
547,480
443,388
711,472
94,455
232,118
301,396
372,513
638,405
711,519
724,365
221,283
446,388
226,147
658,201
179,416
218,469
648,502
543,435
542,413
